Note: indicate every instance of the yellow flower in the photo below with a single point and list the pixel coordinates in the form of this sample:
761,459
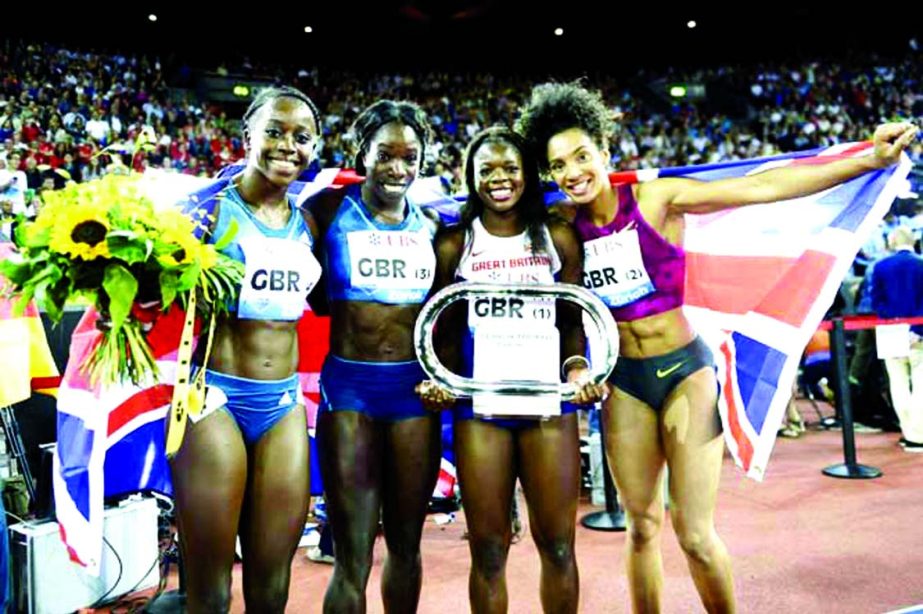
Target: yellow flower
208,256
38,233
184,248
174,221
80,231
176,229
52,202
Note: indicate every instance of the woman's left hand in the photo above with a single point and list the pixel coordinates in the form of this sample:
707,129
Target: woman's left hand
890,140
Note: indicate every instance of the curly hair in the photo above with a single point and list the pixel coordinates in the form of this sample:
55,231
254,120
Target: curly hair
531,205
555,107
385,112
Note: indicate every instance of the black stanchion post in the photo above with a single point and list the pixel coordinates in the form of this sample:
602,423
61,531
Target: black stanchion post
612,518
850,469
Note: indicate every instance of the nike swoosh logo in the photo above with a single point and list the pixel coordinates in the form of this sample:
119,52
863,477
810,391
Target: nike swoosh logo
476,254
662,373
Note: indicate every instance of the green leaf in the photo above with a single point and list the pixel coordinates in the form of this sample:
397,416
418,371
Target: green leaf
41,275
57,291
24,238
54,305
55,275
168,284
213,285
16,272
225,239
121,287
189,277
126,245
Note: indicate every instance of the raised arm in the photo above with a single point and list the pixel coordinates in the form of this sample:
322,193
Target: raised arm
689,196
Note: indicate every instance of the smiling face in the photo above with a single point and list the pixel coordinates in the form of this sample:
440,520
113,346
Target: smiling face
498,175
392,162
578,165
280,140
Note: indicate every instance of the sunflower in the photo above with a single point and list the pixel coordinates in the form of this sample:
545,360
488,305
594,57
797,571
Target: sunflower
80,232
53,201
177,233
181,249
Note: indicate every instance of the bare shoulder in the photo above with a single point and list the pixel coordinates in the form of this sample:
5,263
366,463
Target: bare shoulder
655,197
561,230
566,211
565,240
449,241
659,191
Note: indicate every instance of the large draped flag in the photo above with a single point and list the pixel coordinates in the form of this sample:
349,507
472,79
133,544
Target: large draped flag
759,280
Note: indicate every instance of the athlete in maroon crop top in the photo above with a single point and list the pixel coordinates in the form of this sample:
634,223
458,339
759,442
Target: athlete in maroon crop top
663,405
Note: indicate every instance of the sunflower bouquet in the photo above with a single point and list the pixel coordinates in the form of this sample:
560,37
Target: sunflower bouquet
104,243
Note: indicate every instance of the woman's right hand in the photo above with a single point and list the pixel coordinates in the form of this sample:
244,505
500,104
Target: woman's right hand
587,392
434,396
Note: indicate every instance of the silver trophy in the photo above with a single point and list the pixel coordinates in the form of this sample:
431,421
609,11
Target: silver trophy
461,386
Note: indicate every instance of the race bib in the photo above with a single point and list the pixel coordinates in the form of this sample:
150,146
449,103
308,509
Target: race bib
614,270
279,274
487,308
401,263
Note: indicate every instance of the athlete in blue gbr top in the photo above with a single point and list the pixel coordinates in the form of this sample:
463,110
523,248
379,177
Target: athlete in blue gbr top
379,448
243,466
